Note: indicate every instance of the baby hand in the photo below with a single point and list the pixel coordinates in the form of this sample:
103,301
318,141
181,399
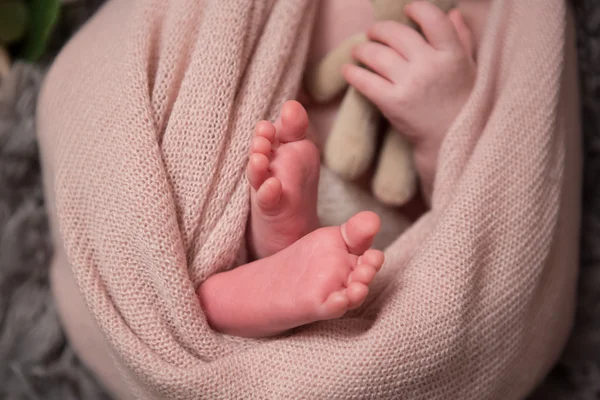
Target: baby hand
420,84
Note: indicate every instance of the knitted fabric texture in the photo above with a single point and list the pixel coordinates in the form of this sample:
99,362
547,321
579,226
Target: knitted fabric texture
150,137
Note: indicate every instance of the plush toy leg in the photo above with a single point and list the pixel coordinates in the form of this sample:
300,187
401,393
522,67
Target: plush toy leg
339,200
395,181
326,81
350,147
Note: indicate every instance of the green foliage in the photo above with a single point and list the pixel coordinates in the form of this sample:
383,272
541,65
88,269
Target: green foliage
13,20
26,26
43,17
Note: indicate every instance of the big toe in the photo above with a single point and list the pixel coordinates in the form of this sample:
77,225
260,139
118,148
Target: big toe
360,230
293,123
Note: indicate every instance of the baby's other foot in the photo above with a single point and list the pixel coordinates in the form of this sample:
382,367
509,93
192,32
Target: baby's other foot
319,277
283,172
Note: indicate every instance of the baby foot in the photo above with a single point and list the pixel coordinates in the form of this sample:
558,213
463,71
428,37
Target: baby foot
283,172
319,277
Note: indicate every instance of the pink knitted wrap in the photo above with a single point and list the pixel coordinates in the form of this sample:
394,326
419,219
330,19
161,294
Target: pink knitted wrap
147,117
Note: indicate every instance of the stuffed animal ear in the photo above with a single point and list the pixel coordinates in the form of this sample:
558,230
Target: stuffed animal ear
389,9
394,9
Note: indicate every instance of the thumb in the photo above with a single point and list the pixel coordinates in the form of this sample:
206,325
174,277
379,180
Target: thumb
464,32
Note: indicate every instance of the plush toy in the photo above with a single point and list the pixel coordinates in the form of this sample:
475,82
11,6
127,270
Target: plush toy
352,144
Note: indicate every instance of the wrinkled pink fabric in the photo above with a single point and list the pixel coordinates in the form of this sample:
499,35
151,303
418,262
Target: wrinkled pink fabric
145,123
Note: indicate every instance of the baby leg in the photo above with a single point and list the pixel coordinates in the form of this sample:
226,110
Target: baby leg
319,277
283,172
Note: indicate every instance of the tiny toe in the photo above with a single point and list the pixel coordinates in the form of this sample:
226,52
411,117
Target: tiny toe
356,293
293,122
374,258
261,145
363,274
266,130
360,230
258,170
335,306
269,194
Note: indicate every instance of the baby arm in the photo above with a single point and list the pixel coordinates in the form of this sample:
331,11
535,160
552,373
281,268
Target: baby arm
419,82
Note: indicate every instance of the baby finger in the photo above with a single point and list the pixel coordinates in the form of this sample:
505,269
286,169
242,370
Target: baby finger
368,83
382,60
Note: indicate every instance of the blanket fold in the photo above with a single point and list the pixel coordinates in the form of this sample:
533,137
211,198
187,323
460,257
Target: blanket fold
152,126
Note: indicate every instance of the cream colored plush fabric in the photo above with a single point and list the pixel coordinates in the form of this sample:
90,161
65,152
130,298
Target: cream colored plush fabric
145,150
